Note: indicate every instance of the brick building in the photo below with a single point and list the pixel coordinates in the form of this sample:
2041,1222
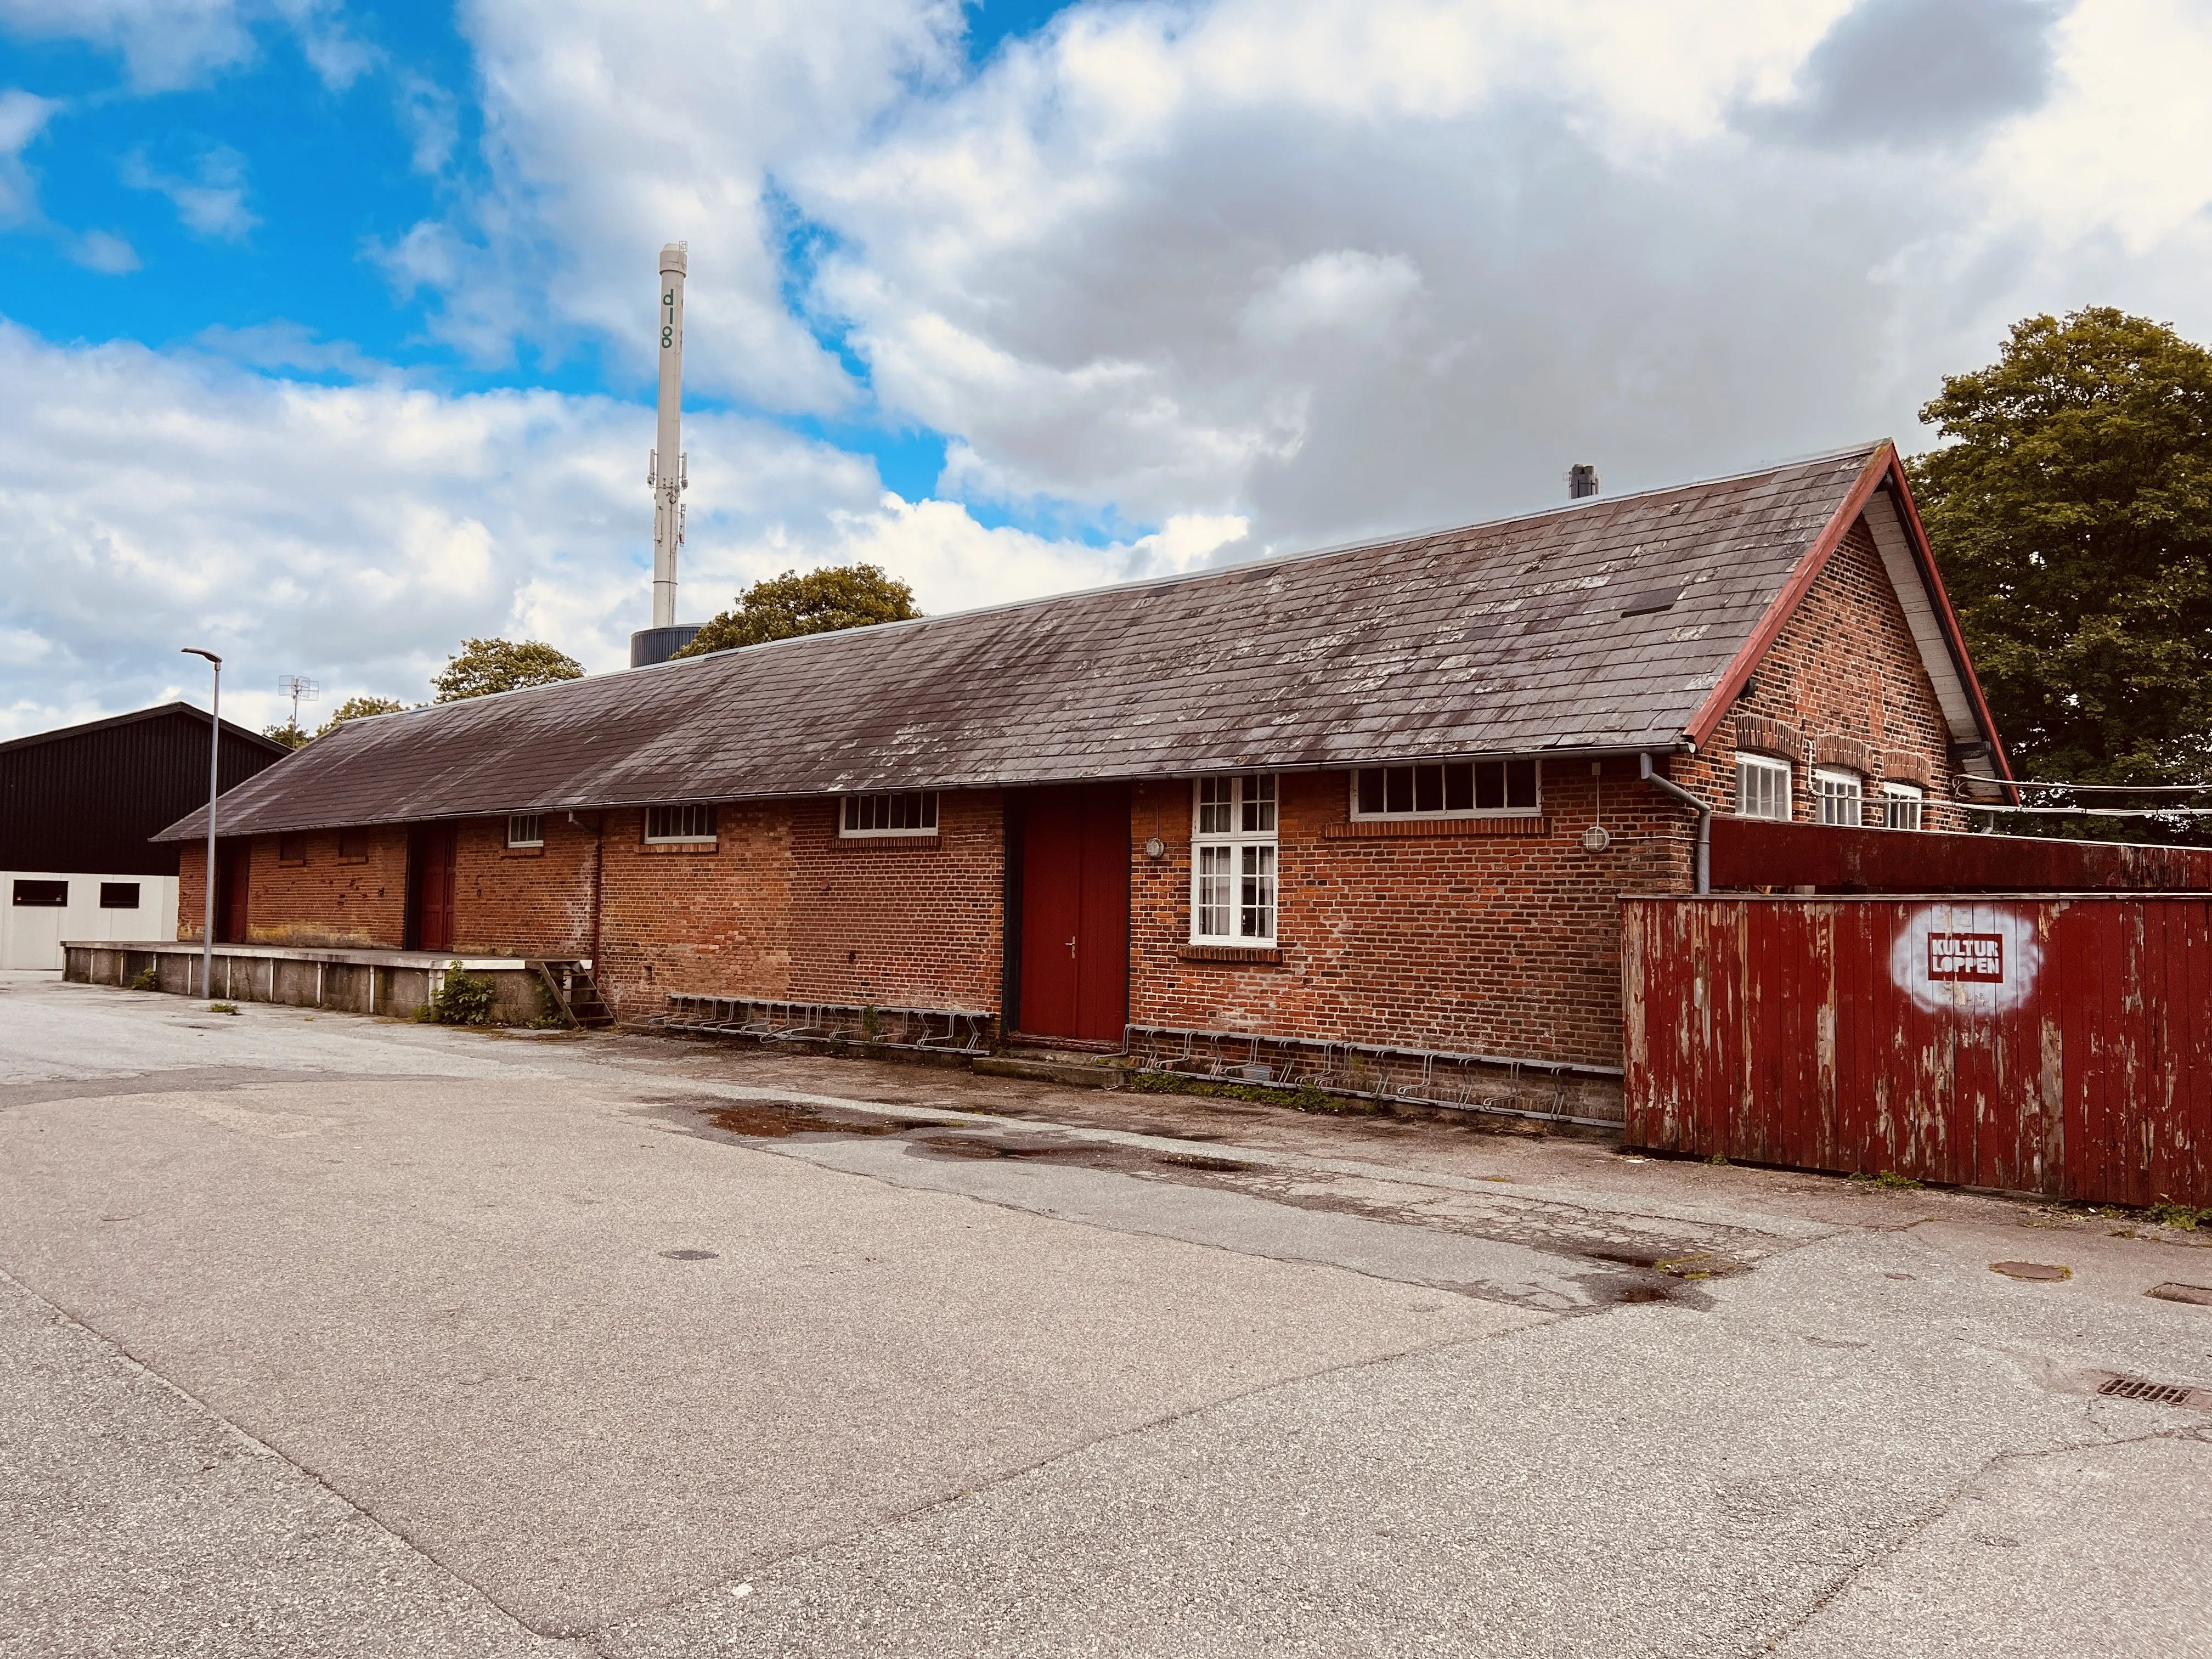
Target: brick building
1384,796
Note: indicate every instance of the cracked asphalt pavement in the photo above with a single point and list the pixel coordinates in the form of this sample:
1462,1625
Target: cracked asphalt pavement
333,1336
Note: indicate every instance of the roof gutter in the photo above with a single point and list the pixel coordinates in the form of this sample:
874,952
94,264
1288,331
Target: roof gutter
1667,786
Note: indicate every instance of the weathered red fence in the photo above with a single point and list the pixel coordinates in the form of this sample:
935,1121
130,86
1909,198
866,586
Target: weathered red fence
1770,852
2059,1045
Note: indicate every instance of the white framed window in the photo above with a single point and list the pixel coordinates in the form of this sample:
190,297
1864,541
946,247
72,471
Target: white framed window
911,812
1762,787
693,821
1841,796
1232,865
1901,805
525,830
1454,789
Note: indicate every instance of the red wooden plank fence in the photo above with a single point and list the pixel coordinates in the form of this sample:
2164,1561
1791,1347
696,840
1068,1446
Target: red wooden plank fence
2056,1045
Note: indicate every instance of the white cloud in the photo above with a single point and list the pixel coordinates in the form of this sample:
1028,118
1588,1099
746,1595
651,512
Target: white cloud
357,532
102,251
23,117
168,44
211,200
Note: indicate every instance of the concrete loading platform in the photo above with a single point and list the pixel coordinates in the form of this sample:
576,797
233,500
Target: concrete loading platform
399,983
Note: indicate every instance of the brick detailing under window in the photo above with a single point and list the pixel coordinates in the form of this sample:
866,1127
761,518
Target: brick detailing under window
1446,789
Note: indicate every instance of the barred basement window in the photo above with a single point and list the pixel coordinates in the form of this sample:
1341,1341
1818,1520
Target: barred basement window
694,821
1901,805
907,812
1762,787
1233,851
1455,789
526,828
1842,796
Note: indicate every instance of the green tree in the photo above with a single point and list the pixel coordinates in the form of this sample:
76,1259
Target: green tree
481,667
287,734
354,709
816,601
2072,519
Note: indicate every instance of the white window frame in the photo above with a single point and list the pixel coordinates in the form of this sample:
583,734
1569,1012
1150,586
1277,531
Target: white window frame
525,830
696,814
873,806
1235,860
1903,800
1832,785
1434,777
1779,786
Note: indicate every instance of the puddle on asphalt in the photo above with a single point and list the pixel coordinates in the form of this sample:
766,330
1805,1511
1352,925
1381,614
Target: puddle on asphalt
770,1120
1635,1263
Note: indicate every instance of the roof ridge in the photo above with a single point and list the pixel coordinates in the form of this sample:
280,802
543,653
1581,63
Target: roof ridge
1335,550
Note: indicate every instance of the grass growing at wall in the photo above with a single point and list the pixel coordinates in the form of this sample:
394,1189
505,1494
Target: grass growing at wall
464,999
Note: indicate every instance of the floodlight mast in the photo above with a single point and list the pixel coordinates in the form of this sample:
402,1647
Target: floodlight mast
215,788
668,473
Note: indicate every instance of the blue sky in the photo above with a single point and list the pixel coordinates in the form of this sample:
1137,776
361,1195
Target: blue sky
328,324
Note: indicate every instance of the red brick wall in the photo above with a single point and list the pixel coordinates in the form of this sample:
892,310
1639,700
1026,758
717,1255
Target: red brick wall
1485,944
782,906
521,901
322,900
1843,666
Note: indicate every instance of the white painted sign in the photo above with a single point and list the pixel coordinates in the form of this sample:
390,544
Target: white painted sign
1967,957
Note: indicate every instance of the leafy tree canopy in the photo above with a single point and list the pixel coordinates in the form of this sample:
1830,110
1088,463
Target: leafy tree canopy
354,709
2072,522
816,601
483,666
287,734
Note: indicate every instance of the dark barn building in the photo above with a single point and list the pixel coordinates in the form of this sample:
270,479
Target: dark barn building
1342,814
78,809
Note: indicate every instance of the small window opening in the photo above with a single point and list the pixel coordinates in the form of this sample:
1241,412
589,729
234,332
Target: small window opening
1762,787
291,849
1902,805
1453,789
119,895
1842,797
353,846
525,830
904,812
42,894
693,821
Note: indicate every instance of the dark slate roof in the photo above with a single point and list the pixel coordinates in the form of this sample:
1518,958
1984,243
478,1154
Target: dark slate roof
1534,634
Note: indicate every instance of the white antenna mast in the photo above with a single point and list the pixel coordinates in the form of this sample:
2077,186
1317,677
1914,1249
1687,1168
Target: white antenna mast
668,472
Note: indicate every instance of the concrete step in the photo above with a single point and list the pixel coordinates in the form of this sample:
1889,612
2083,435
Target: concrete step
1070,1071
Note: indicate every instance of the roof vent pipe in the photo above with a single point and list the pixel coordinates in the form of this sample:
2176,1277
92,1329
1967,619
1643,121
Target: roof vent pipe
1667,786
1582,481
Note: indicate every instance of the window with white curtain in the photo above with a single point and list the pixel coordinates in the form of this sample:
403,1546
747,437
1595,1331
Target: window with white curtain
1841,795
1232,866
1901,805
1762,787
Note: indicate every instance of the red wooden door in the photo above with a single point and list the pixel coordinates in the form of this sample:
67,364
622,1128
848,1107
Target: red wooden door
430,859
234,869
1075,914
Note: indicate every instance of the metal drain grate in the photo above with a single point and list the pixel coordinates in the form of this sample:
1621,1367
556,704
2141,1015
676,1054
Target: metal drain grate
2159,1394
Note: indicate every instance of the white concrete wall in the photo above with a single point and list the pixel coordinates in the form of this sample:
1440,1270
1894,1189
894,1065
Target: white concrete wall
31,935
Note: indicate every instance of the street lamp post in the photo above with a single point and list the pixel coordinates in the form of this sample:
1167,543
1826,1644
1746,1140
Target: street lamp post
215,788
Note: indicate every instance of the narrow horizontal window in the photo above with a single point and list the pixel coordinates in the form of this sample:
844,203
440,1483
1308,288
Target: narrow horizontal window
118,895
525,830
1234,822
43,894
1762,787
1449,789
291,849
1842,797
1902,805
693,821
905,812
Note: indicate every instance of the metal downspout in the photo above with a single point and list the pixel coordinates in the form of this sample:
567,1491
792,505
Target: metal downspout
1667,786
